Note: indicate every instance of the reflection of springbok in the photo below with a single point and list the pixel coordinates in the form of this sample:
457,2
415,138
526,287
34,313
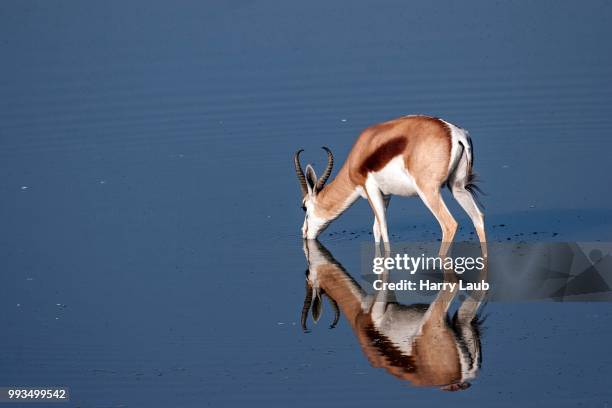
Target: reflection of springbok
418,343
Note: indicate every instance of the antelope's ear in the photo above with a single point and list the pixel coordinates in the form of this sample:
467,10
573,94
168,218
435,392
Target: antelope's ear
311,180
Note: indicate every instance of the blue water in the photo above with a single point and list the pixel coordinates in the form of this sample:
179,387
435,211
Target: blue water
150,214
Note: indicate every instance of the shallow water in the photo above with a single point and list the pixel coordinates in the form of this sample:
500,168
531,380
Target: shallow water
150,213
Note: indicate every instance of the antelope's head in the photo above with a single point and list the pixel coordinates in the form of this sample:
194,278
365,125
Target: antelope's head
314,220
319,261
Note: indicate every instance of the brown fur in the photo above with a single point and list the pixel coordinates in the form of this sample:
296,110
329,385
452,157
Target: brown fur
426,145
331,199
424,141
434,360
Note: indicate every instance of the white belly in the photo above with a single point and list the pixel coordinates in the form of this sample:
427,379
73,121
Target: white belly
394,179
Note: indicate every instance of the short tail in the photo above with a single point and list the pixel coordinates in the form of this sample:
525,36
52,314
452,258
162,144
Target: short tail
472,186
471,178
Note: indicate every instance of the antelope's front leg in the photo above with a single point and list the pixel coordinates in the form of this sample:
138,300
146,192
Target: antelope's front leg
376,230
376,227
377,202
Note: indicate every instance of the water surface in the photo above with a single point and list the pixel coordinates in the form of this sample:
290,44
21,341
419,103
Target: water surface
150,214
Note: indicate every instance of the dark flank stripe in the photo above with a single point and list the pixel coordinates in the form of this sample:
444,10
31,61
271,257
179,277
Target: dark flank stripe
383,154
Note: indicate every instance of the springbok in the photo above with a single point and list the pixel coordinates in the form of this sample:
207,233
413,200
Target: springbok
418,343
411,155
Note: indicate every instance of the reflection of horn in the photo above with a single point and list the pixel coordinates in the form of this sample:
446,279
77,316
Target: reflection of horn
336,312
306,307
317,305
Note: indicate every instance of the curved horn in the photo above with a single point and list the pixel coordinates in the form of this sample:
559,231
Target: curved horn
306,307
317,305
300,172
328,169
336,312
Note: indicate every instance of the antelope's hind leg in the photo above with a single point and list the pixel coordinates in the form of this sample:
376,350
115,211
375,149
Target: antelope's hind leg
433,200
467,202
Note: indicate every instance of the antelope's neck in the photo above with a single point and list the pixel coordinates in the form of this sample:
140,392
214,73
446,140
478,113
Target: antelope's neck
336,196
341,287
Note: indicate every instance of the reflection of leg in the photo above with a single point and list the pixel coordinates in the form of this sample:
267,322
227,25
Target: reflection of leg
381,297
432,198
379,254
438,309
467,202
440,305
468,309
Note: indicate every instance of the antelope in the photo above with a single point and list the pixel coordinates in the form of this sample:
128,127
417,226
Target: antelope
411,155
417,343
